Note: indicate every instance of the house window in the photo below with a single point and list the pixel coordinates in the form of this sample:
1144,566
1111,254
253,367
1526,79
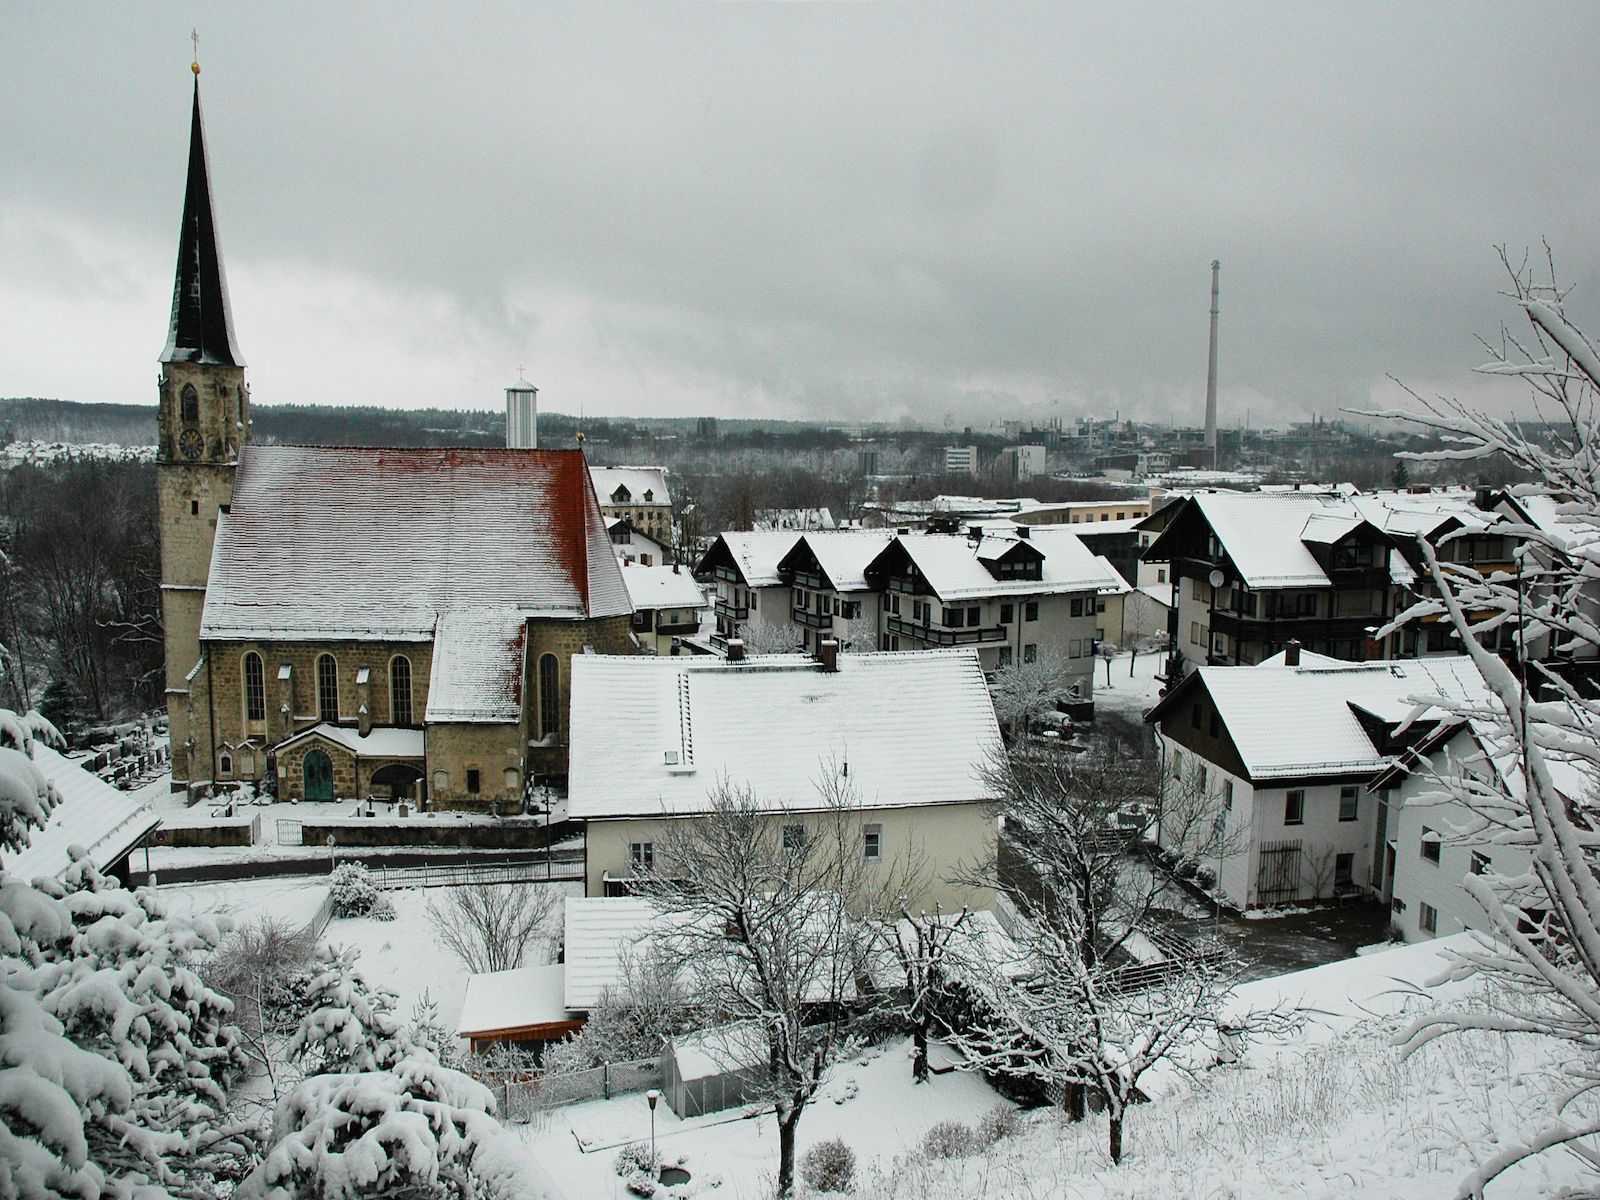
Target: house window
1427,918
1344,870
1430,845
1004,657
549,696
1216,723
872,843
327,689
1227,795
1007,613
1030,611
400,690
1294,807
973,618
1479,864
1194,715
955,617
794,839
642,855
1077,606
1030,652
1194,634
255,688
1161,574
1075,648
474,780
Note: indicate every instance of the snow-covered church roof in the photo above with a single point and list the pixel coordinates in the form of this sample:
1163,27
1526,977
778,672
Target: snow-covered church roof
368,542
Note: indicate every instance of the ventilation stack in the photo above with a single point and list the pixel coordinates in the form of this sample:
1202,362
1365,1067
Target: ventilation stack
1211,371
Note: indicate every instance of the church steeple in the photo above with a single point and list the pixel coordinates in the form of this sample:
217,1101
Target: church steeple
202,326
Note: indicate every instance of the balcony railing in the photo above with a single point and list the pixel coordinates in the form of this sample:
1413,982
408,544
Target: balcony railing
816,620
935,636
733,612
1282,628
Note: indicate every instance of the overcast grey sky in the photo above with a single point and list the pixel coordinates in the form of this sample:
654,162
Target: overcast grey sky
888,212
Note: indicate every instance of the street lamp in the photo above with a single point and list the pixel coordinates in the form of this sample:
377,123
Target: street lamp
650,1098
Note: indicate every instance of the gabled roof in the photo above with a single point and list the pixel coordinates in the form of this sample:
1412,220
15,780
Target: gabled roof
518,1000
951,565
1305,721
662,587
383,741
599,933
636,481
754,555
104,822
202,326
369,542
694,723
842,556
477,666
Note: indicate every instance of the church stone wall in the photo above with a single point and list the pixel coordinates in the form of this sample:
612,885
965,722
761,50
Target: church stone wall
491,750
608,635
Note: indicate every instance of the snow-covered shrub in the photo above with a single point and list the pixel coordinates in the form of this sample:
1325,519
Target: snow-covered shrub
829,1166
355,895
640,1184
348,1026
949,1139
636,1157
1001,1121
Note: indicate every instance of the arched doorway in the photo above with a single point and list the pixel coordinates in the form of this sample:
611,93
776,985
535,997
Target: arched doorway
397,781
318,772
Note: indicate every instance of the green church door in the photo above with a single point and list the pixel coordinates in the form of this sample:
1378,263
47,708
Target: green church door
319,776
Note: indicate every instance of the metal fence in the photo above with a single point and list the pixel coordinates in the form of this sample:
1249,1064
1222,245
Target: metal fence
445,874
290,832
523,1099
255,830
319,920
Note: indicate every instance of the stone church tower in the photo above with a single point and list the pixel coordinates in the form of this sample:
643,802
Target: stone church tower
204,418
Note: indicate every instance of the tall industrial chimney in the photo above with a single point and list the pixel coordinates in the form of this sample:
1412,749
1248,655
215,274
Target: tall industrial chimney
522,416
1211,370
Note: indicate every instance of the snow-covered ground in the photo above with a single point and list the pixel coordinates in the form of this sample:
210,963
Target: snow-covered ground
1134,688
871,1103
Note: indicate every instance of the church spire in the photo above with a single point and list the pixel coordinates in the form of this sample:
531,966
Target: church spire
202,327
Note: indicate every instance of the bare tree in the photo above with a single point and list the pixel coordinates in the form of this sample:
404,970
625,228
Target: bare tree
921,943
630,1021
1543,726
264,968
764,925
1076,1011
492,926
1027,692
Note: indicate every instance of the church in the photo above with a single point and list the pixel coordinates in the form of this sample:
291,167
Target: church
353,621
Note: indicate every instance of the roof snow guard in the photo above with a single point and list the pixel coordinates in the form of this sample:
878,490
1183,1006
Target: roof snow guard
367,543
202,326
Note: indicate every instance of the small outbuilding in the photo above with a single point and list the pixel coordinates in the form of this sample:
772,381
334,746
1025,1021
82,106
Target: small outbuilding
714,1069
524,1005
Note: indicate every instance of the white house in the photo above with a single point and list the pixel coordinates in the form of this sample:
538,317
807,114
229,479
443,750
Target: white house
667,605
1283,754
751,600
637,494
829,595
910,735
635,546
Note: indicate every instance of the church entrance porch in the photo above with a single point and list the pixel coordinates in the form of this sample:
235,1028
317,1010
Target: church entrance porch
396,781
335,762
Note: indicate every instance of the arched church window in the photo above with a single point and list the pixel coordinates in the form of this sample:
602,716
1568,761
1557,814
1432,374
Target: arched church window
549,695
225,765
190,402
400,690
255,688
327,689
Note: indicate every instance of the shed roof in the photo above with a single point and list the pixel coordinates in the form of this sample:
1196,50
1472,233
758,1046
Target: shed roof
369,542
104,822
523,998
477,666
694,722
599,933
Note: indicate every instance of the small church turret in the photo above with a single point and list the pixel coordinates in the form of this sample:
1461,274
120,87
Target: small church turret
204,420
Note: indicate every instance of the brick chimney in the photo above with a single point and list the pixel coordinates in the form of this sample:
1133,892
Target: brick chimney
828,654
1291,653
735,649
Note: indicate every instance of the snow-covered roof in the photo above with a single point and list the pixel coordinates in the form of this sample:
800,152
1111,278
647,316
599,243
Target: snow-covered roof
1099,528
662,587
599,933
477,666
498,1001
951,564
1262,534
845,556
1303,721
636,480
104,822
369,542
693,723
757,555
707,1053
1161,593
383,741
1115,584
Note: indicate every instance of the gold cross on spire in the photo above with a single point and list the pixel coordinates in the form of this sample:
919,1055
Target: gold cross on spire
519,373
194,36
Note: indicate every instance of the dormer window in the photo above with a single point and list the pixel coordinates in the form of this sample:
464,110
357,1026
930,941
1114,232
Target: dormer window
649,496
622,495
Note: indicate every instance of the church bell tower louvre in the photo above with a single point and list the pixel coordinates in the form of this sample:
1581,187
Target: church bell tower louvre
204,420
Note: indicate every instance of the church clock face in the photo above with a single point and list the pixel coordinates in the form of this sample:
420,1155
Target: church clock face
191,443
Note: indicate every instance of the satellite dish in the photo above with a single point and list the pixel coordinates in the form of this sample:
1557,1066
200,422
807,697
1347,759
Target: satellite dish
1216,578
